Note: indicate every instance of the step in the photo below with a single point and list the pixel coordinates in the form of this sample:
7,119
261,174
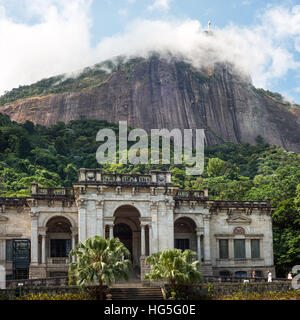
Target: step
138,293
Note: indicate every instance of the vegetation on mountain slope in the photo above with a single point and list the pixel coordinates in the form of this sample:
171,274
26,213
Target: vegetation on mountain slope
51,157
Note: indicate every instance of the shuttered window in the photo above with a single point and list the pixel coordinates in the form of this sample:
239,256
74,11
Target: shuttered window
255,250
223,248
239,249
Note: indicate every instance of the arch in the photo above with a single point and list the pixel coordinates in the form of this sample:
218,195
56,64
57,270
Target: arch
127,214
189,217
185,225
49,217
128,208
58,237
185,234
59,224
130,223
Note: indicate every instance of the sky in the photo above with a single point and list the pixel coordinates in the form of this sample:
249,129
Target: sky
42,38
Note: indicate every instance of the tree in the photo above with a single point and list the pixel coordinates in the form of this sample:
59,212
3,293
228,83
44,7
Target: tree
174,266
100,260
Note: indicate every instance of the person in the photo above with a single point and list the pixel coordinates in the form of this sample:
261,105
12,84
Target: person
290,276
269,276
253,274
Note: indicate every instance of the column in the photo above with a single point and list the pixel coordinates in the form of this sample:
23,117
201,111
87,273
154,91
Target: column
99,218
206,239
44,248
143,244
154,227
111,231
34,237
199,246
2,250
248,248
231,248
82,220
150,239
74,234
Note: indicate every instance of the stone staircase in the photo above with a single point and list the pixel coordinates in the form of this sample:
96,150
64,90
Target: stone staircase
136,293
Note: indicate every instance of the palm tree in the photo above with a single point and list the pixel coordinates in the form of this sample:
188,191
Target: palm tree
102,260
174,266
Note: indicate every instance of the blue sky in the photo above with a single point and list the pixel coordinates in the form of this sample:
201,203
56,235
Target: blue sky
41,38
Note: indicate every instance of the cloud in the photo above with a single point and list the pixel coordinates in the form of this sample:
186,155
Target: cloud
160,5
59,42
123,12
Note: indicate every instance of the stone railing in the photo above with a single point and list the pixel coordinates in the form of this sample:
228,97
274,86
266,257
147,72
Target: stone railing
60,261
241,204
15,202
206,290
126,179
191,195
96,176
33,283
219,279
60,193
13,293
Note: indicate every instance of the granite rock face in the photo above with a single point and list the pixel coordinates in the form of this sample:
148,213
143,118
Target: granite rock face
156,93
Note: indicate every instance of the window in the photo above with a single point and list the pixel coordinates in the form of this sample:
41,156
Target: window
259,274
9,250
255,250
60,248
240,274
239,249
223,248
182,244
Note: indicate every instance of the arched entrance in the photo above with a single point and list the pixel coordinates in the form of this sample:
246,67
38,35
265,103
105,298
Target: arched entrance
124,233
185,234
127,229
59,236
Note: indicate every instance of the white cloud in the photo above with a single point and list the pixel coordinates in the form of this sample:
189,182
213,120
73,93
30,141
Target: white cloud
160,5
123,12
60,42
297,89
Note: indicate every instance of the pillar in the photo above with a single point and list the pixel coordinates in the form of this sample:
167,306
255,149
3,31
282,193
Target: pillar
2,277
99,219
2,250
111,231
143,243
150,240
231,248
34,237
44,248
82,220
154,227
206,239
74,234
199,246
248,248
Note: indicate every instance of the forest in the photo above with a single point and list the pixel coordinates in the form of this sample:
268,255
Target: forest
51,156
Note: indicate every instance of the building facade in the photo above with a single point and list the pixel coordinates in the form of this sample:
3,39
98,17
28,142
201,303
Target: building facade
146,212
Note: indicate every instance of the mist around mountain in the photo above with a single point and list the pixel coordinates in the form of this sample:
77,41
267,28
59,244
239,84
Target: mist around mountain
162,92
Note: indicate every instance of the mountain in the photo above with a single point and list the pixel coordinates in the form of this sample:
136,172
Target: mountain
161,93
